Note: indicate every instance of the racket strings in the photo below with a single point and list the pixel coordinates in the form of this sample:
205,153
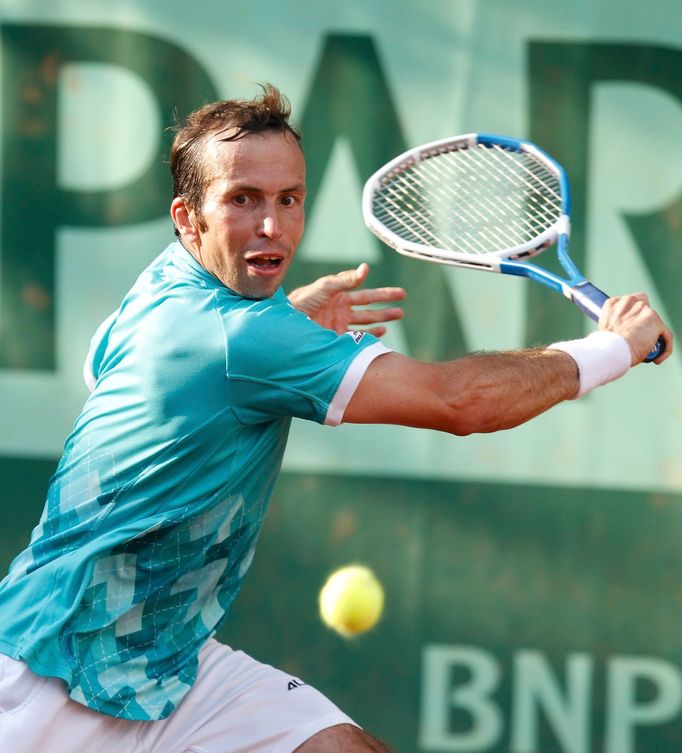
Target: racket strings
403,210
543,187
400,206
473,200
482,206
507,201
454,220
515,203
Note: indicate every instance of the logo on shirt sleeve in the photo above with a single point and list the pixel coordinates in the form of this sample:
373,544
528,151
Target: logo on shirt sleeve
356,334
295,683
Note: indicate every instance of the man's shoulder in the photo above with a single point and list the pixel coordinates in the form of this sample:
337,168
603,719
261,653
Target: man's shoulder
272,315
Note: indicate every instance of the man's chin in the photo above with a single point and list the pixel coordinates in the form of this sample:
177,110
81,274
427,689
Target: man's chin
259,289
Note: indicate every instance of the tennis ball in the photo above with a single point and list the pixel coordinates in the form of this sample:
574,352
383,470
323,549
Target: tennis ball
351,601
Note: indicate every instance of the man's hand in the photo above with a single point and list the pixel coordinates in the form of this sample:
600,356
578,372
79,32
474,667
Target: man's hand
633,318
330,301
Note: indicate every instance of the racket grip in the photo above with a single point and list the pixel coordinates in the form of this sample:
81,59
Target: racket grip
590,299
656,351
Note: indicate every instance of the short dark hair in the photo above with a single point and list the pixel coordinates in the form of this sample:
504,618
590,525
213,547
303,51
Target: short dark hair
268,112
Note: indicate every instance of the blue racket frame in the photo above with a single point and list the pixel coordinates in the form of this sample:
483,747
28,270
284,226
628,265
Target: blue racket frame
575,286
586,296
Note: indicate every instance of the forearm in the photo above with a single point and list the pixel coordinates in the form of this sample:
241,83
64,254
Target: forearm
475,394
493,391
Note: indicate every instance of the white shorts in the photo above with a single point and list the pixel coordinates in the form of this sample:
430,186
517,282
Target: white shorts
236,705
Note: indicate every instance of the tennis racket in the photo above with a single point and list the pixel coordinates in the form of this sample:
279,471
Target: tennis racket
482,202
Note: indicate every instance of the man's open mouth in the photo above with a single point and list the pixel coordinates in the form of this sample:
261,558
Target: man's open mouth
265,262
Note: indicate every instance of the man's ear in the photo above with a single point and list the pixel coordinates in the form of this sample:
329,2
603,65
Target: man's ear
184,219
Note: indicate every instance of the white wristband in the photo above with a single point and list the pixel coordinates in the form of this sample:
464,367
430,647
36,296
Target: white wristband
601,357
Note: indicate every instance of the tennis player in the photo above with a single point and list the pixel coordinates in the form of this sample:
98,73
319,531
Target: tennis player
152,517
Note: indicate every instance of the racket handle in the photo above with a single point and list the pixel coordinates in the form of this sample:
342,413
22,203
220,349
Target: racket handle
656,351
590,299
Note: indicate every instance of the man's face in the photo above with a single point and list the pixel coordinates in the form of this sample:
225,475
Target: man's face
252,211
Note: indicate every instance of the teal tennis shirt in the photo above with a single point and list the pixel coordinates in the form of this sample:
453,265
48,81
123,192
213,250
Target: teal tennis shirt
153,514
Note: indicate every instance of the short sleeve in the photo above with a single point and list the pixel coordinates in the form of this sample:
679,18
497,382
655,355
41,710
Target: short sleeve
282,364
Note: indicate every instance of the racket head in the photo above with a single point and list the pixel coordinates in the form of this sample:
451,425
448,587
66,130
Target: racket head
473,201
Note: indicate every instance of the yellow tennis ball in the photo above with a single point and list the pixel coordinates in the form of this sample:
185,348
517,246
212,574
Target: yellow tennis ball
351,601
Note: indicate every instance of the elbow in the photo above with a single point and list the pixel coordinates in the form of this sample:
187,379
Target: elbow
461,426
462,431
471,417
457,425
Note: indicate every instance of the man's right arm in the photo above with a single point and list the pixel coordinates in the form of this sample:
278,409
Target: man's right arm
492,391
478,393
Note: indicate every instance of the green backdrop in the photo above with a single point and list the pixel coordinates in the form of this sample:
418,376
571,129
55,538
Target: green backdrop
532,575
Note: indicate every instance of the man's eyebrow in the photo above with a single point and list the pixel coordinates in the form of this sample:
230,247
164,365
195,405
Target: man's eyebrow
298,188
248,188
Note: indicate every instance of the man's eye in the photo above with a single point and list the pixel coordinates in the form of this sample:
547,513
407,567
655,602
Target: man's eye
288,201
241,199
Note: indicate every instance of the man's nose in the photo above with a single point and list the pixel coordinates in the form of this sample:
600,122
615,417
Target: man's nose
270,226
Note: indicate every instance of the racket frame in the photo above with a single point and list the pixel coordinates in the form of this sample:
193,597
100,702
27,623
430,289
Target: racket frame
511,261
